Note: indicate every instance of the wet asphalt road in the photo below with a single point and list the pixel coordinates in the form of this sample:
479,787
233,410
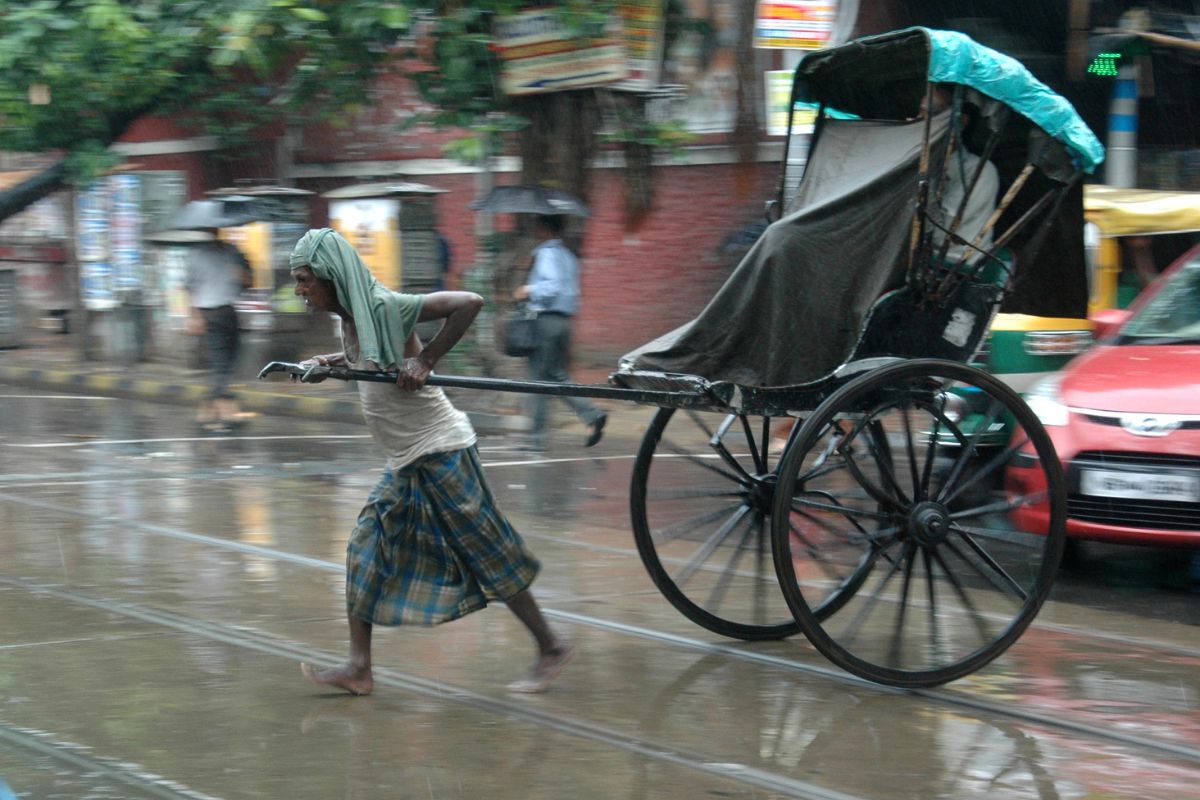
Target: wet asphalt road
158,588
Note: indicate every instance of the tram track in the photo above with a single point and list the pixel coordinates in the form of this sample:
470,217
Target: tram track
76,756
265,552
946,697
268,644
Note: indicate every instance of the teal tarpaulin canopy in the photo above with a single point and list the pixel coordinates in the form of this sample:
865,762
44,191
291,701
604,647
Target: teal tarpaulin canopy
883,77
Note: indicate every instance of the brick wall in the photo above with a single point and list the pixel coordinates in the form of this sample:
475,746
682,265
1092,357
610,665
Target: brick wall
638,285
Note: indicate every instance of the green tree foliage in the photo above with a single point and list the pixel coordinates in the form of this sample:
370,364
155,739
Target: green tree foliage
462,79
77,73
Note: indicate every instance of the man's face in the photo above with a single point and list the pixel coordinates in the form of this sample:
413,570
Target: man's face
318,294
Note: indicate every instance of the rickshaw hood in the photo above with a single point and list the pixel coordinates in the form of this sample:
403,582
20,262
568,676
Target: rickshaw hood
883,77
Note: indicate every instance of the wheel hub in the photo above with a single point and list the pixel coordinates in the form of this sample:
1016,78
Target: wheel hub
929,523
760,494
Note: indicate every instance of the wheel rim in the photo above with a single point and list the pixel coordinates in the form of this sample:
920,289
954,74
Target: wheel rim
937,495
703,490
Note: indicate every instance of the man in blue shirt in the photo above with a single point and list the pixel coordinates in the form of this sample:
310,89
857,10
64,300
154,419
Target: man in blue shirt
552,290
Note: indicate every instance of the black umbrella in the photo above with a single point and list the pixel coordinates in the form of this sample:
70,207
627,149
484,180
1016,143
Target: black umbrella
223,213
530,200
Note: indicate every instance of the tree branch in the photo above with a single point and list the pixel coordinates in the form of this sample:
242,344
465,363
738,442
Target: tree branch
33,189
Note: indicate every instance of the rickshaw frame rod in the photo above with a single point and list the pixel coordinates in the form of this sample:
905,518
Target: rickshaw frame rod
1035,210
674,399
916,234
1039,236
988,149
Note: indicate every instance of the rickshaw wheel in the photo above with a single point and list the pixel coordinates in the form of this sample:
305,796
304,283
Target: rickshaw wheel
701,495
951,536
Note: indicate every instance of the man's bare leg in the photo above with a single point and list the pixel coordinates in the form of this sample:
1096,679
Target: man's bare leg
553,652
355,675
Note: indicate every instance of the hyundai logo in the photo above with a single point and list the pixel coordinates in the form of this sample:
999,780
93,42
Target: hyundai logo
1142,425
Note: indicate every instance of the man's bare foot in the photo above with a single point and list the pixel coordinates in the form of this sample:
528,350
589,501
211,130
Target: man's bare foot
544,671
355,680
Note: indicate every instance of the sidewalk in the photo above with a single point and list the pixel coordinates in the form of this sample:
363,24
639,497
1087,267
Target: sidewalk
49,363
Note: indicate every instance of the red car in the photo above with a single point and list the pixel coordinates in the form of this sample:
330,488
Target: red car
1125,420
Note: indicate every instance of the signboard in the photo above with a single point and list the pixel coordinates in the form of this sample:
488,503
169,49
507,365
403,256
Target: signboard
642,32
537,55
254,240
701,64
801,24
370,225
777,95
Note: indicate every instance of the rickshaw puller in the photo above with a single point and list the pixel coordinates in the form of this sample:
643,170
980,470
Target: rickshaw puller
430,545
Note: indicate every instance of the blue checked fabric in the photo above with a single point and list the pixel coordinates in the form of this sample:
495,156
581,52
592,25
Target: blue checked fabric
431,545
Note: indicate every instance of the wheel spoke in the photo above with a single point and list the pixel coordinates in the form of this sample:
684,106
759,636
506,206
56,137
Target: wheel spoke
766,441
732,462
997,461
839,509
990,577
864,534
939,415
850,632
964,456
902,604
935,644
689,494
814,554
672,532
818,468
881,457
911,452
999,507
873,489
821,471
703,462
718,592
979,619
998,577
698,420
760,466
1031,541
761,587
713,542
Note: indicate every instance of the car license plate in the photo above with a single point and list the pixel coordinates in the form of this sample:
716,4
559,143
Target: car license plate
1140,485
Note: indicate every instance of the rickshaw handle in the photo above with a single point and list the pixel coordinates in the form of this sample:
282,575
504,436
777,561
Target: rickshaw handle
311,374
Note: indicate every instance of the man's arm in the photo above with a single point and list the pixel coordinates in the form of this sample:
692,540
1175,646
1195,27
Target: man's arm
195,321
544,282
328,360
459,310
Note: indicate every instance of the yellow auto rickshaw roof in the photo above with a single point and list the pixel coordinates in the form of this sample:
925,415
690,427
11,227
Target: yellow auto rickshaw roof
1126,212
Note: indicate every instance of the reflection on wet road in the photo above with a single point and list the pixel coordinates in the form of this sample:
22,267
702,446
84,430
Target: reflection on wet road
157,590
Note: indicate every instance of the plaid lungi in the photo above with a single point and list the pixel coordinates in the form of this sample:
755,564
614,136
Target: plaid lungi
431,545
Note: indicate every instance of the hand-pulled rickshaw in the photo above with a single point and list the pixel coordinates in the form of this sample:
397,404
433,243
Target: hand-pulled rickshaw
883,529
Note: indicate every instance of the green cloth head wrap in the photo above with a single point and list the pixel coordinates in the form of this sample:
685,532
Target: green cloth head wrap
383,319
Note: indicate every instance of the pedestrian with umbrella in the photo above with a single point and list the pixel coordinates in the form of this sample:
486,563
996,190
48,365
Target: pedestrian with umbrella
217,274
552,291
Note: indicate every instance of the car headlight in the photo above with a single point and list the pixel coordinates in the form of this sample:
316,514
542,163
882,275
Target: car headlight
1045,401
